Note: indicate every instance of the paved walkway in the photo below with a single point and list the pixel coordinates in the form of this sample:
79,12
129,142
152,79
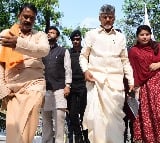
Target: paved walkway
37,139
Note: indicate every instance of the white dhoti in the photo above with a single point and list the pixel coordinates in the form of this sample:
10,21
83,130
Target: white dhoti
104,114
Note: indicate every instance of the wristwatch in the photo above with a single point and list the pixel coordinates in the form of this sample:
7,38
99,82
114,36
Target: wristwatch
68,85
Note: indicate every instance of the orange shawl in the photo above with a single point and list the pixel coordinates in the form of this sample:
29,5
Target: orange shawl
8,55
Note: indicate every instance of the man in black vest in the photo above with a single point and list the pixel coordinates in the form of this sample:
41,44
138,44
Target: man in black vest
77,98
58,76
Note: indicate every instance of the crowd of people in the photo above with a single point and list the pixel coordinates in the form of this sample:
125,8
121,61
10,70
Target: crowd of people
83,85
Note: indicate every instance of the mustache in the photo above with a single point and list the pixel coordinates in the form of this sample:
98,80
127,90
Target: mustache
27,24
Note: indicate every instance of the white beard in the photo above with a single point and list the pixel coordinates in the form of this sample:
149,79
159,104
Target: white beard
107,26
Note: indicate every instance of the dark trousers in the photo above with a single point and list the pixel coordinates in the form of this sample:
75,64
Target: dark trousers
76,103
127,119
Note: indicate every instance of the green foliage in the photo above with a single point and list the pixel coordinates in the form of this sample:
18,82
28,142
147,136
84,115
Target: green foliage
48,14
8,12
66,32
134,16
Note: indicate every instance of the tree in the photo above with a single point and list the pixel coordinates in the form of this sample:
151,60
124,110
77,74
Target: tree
48,14
67,32
134,16
8,11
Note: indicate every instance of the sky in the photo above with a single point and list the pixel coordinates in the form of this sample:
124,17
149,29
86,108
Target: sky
85,13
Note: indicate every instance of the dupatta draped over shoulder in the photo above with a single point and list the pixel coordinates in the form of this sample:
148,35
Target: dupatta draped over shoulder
140,58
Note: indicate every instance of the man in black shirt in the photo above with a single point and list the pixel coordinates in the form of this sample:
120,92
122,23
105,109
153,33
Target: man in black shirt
76,101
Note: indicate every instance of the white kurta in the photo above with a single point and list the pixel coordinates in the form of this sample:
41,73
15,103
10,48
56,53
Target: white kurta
105,56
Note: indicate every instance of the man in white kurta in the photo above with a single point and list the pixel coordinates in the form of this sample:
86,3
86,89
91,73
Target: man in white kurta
104,61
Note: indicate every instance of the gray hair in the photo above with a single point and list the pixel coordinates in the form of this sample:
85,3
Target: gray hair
107,9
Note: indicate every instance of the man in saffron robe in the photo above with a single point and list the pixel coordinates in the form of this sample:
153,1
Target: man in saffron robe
21,74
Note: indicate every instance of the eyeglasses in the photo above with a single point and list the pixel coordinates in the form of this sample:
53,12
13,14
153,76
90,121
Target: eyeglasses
76,39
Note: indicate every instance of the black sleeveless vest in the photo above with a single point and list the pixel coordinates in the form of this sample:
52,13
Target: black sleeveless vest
54,68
